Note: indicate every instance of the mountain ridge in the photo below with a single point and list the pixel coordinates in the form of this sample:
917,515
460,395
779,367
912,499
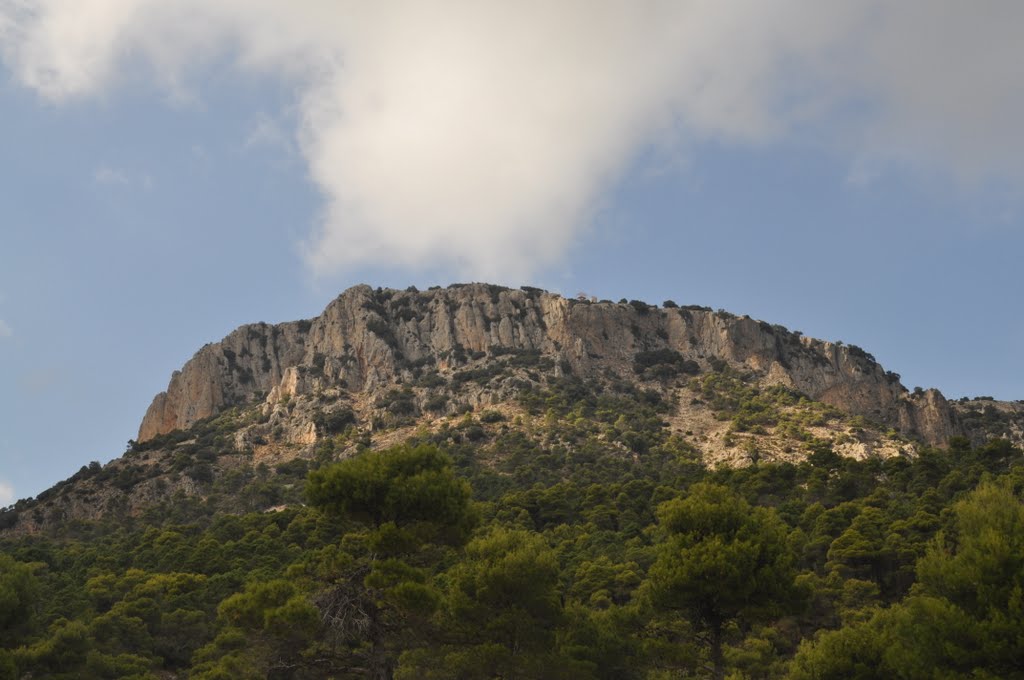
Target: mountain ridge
368,339
481,363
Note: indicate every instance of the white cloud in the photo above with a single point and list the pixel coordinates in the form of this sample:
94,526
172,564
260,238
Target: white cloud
481,133
6,494
5,330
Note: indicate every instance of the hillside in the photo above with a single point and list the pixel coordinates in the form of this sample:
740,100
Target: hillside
379,366
479,482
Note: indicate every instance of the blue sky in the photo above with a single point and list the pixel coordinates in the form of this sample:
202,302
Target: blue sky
845,173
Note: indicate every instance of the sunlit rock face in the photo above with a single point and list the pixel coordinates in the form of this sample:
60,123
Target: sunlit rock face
367,341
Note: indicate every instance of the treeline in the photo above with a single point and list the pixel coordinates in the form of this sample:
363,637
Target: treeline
585,542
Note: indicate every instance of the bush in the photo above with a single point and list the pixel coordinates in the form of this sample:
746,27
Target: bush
640,306
334,422
382,330
662,364
436,403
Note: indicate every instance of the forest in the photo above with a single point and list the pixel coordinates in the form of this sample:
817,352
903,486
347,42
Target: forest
576,539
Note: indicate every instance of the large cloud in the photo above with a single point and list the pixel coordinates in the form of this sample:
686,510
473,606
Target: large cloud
481,134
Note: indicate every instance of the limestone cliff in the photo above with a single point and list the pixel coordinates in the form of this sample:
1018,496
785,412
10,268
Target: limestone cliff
368,340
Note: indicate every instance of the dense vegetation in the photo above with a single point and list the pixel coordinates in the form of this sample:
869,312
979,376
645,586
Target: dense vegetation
580,539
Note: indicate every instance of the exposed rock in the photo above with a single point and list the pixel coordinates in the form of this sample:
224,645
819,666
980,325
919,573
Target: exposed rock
245,365
984,418
366,341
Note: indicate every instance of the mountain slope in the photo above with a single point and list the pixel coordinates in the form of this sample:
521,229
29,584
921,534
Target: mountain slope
479,482
475,364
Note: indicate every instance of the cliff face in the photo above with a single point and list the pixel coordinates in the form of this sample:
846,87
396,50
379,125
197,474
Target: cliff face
247,363
367,341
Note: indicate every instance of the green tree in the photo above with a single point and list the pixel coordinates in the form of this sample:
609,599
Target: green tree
963,618
406,503
268,628
723,561
70,652
409,487
502,610
19,594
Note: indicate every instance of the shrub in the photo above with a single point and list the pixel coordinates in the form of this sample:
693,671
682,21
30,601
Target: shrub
382,330
661,364
334,422
640,306
436,403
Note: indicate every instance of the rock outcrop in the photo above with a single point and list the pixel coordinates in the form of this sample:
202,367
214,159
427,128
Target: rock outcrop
369,340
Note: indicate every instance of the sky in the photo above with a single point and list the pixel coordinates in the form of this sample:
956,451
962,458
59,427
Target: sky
169,171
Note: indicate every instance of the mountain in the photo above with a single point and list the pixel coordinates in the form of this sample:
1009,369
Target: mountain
480,482
368,341
383,364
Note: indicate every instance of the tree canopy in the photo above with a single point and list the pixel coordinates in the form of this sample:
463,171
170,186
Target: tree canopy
575,536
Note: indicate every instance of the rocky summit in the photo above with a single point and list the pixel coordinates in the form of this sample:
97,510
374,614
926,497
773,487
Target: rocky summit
369,341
